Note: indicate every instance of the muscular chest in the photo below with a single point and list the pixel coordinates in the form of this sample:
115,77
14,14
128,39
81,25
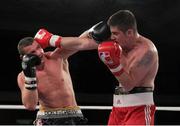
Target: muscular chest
50,67
51,72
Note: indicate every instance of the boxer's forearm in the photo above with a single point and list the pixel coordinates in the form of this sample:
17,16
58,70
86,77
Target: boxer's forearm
126,80
30,98
77,43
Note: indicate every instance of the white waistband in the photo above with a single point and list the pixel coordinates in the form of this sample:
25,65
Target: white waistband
136,99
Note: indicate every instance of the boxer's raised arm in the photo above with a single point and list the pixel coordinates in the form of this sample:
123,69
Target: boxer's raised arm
46,39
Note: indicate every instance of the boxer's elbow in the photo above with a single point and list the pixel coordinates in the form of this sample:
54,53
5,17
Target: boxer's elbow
31,107
127,81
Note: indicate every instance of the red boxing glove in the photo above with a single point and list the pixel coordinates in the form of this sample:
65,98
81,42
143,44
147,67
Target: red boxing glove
110,53
45,39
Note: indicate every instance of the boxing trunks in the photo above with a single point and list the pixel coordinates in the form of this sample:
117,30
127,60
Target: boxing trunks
62,116
135,107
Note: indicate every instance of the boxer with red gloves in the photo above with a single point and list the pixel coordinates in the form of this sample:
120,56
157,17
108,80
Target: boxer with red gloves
133,59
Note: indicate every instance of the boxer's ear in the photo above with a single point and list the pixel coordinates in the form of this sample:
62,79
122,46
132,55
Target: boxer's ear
129,32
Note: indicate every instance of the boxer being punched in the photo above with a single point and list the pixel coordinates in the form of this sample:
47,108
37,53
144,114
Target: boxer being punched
45,79
133,59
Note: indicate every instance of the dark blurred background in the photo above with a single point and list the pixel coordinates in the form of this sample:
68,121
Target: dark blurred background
93,83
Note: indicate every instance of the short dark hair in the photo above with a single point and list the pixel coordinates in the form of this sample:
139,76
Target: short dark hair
23,43
123,19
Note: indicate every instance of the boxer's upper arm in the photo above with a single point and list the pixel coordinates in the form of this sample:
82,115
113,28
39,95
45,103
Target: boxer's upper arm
135,72
146,59
20,80
142,65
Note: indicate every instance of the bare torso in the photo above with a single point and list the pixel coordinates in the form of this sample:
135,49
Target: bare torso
140,64
54,84
55,89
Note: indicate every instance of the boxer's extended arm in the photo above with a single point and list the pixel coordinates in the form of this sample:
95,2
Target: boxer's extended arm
45,39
